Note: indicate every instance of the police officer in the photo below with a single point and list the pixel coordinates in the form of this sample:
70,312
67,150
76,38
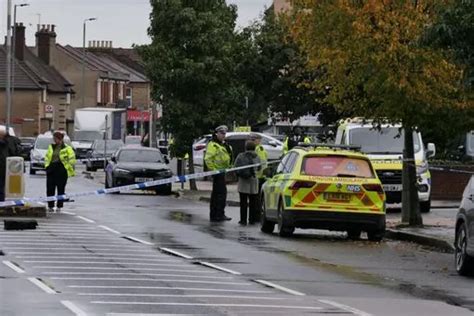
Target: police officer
218,156
59,163
294,138
263,155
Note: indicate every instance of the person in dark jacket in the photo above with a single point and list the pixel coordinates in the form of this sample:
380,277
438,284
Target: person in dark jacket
248,184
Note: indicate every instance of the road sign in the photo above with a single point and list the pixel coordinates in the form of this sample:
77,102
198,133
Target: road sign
48,108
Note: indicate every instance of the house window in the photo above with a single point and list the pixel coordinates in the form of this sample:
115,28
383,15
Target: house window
128,97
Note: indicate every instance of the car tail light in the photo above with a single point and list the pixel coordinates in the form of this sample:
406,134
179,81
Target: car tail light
199,146
302,185
373,187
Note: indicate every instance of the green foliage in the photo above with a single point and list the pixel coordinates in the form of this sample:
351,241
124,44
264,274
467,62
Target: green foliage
191,65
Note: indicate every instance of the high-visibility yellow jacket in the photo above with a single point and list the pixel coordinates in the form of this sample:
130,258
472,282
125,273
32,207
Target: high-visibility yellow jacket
306,140
218,156
263,155
66,156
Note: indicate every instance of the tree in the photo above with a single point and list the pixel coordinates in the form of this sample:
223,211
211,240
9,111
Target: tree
369,53
191,64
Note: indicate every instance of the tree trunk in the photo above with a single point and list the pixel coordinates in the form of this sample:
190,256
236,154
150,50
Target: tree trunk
192,182
410,204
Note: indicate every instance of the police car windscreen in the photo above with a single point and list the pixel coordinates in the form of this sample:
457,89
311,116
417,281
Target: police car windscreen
336,166
388,140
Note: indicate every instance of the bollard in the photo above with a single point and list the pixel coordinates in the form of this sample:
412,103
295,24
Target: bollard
15,180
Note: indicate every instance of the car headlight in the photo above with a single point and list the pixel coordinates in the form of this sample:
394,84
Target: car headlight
420,169
122,171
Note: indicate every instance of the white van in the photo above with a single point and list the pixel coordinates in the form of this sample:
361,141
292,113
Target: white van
385,149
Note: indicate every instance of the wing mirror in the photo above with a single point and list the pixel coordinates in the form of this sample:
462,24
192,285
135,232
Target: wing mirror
273,143
113,159
430,150
269,172
167,161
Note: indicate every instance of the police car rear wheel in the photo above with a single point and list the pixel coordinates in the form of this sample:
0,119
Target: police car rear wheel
284,230
265,226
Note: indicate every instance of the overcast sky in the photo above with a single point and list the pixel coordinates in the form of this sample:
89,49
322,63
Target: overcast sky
122,21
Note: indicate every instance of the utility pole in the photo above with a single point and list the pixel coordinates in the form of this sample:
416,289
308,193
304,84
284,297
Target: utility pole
8,100
84,59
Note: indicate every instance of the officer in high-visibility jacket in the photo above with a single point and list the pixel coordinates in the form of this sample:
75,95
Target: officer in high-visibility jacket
294,138
218,156
59,163
263,155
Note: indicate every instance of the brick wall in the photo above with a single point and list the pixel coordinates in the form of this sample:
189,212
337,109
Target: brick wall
449,185
140,94
26,105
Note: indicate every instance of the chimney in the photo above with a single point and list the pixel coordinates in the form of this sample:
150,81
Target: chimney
19,41
46,42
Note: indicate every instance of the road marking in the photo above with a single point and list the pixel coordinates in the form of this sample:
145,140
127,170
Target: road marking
66,242
91,255
13,266
279,287
166,288
150,280
138,240
115,263
110,229
68,213
184,295
100,261
138,274
175,253
58,250
102,268
208,304
211,265
353,310
39,283
73,308
78,245
86,219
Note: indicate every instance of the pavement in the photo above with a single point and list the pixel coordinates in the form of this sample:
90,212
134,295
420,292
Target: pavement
437,230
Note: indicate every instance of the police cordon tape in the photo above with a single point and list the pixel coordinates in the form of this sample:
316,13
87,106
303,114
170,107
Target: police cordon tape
143,185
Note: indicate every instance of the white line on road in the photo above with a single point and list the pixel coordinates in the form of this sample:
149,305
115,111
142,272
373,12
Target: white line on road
138,240
68,213
73,308
116,263
97,257
184,295
166,288
66,242
42,285
86,219
279,287
150,280
13,266
101,261
110,268
139,274
211,265
209,304
174,252
58,250
353,310
110,229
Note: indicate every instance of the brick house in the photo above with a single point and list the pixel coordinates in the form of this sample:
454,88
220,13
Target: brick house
37,86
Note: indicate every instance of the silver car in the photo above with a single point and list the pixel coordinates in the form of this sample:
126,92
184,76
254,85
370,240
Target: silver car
464,241
273,146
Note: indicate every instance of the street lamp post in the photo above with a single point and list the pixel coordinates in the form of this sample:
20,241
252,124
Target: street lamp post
84,59
9,69
14,48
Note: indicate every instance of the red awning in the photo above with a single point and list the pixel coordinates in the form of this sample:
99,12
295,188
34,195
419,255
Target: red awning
134,115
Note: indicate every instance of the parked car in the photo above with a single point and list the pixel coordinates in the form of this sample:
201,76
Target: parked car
131,165
324,188
26,145
464,240
237,140
38,153
132,140
100,152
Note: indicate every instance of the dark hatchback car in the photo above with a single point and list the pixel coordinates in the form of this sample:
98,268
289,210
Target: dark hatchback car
131,165
99,150
464,241
26,145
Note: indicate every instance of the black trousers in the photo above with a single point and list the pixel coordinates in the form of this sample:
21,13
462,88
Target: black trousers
56,179
249,202
218,197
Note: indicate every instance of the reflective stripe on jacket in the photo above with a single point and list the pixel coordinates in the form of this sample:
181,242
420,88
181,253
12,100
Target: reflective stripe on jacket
263,155
217,156
66,156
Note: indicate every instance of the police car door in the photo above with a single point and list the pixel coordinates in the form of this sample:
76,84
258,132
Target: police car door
276,183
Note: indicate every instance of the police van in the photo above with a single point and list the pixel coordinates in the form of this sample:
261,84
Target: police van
385,149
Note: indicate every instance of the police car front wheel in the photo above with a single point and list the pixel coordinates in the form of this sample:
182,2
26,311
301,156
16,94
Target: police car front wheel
284,230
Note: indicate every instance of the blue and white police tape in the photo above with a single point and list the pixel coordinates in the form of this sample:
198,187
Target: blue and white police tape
139,186
451,170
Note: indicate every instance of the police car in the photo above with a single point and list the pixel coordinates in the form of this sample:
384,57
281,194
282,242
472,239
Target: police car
324,187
